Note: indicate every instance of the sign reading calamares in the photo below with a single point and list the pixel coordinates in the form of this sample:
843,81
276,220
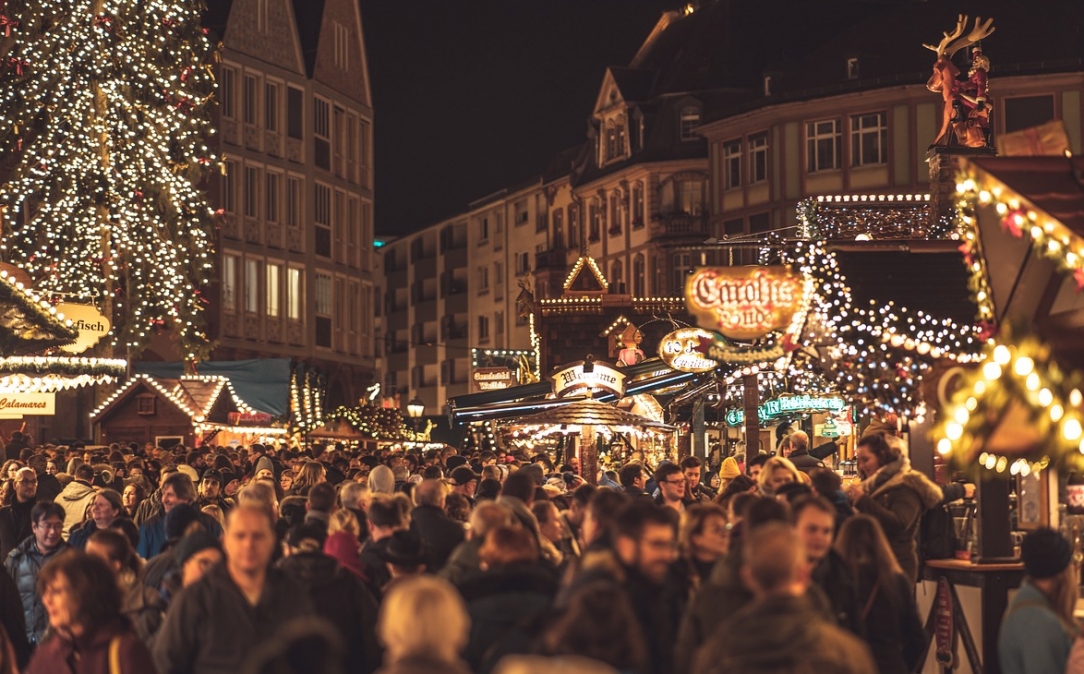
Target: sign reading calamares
744,303
15,405
684,350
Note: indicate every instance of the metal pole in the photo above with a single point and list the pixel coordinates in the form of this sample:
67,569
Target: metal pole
752,418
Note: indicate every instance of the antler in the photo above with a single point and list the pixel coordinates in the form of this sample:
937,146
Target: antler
982,30
961,23
952,42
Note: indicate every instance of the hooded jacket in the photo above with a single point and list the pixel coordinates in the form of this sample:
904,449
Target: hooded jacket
343,600
75,499
897,497
24,563
782,635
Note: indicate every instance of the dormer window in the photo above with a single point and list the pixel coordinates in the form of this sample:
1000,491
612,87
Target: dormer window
690,119
852,68
615,139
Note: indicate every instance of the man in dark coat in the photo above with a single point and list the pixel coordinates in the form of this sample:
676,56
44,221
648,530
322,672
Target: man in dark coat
337,595
780,632
385,518
15,524
815,520
237,606
13,620
26,560
439,533
48,486
799,453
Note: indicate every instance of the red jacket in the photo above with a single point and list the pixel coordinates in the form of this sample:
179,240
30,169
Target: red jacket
89,654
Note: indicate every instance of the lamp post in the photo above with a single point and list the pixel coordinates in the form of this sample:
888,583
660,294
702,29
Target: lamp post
415,410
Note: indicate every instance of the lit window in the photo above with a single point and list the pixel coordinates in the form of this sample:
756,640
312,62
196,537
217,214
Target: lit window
295,287
252,286
690,197
274,289
323,294
229,282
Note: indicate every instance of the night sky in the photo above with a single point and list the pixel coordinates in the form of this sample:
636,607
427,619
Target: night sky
470,96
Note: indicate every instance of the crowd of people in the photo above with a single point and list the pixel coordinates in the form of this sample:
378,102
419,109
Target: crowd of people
260,560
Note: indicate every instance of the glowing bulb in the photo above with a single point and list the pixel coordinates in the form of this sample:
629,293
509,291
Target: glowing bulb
944,446
1056,413
1046,397
1023,366
1071,429
1002,355
991,371
962,416
953,430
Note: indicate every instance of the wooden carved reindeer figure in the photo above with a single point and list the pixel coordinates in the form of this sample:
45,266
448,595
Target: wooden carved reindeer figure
966,114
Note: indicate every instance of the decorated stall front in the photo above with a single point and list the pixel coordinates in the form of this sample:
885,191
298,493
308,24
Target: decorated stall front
190,411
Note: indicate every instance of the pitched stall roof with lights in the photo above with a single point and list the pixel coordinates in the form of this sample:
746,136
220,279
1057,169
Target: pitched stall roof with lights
206,400
28,323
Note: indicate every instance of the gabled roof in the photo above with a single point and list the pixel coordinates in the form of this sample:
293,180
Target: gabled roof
1053,184
28,324
577,281
195,397
309,15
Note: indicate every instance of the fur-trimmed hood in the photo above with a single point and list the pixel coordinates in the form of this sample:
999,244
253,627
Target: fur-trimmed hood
899,474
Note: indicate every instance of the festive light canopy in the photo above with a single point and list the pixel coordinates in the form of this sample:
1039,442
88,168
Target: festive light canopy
1018,412
106,111
44,374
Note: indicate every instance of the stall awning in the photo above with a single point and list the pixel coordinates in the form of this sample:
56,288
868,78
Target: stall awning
264,384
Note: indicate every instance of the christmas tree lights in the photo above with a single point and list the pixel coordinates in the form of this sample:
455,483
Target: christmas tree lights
106,114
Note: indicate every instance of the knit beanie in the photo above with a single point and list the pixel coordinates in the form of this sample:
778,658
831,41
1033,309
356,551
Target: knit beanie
194,542
381,480
263,463
730,469
1045,553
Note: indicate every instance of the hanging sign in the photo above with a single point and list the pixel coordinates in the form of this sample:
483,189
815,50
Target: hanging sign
491,378
588,378
250,419
15,405
684,350
788,405
91,324
744,303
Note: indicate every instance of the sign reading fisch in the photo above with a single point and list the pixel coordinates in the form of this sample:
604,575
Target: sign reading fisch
589,378
684,350
744,303
91,324
492,378
15,405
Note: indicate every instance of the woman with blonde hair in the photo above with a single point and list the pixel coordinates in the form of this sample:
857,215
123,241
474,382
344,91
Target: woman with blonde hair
310,473
885,597
777,472
424,626
344,520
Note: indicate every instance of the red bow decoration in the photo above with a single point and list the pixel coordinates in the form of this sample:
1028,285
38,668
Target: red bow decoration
1078,276
103,20
1014,221
17,64
965,248
8,25
986,330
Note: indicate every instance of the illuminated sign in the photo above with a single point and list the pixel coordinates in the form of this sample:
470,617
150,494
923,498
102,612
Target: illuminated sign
491,378
250,418
15,405
684,350
91,324
788,405
588,378
744,303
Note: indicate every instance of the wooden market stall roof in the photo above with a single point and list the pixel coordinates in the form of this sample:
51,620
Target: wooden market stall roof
28,325
200,398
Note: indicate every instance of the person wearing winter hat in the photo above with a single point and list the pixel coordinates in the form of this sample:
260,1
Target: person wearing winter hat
1038,628
404,556
727,472
195,554
381,480
264,468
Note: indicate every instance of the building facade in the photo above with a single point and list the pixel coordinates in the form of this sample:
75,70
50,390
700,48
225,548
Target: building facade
708,140
295,251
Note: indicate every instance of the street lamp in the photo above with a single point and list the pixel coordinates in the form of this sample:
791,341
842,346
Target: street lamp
415,409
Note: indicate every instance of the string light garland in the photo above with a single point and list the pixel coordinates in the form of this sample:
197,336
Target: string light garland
871,217
1021,388
378,423
589,262
106,109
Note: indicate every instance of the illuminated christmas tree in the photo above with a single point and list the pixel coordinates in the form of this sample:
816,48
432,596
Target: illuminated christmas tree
105,117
